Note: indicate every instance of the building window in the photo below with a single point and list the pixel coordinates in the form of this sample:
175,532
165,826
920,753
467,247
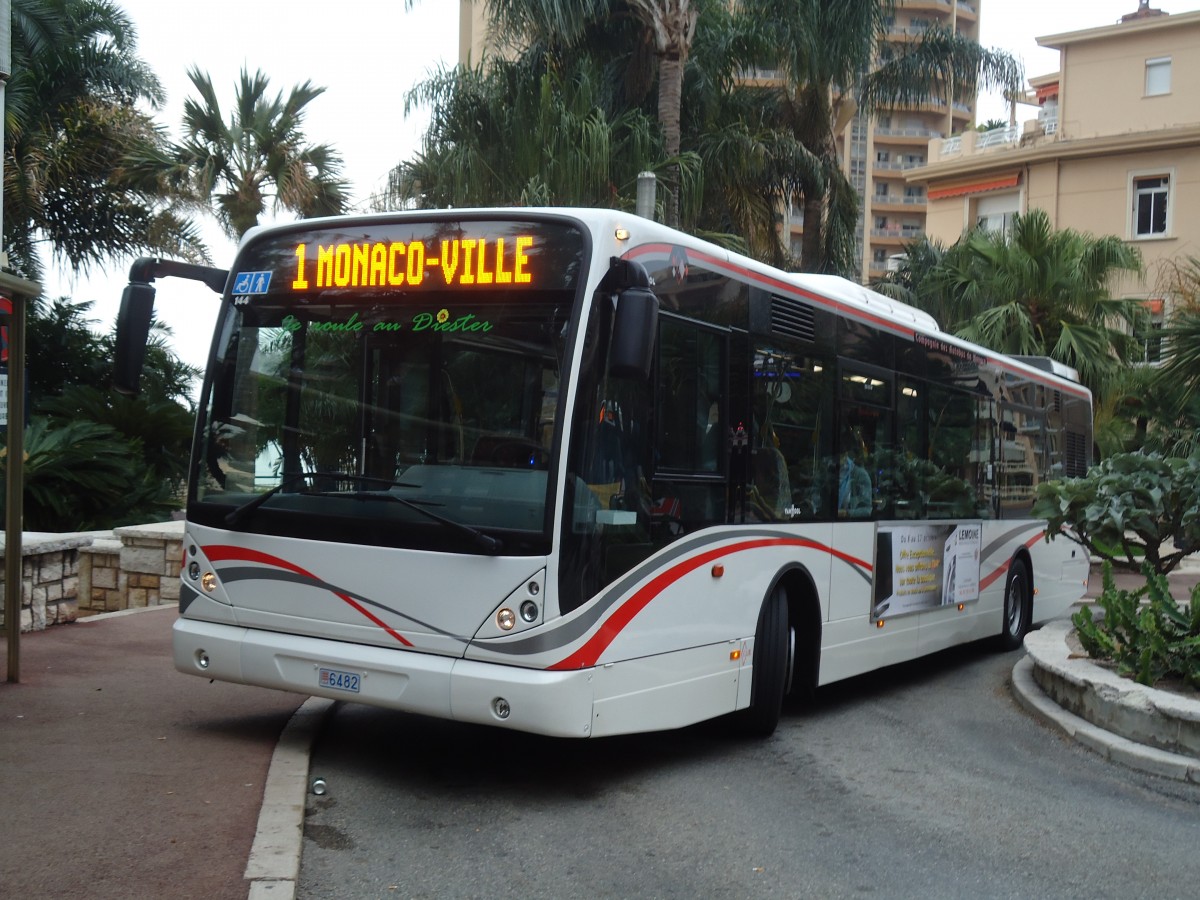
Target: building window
1151,333
995,212
1158,76
1150,196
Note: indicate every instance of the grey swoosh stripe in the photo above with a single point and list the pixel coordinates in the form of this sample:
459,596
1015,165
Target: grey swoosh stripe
572,630
250,573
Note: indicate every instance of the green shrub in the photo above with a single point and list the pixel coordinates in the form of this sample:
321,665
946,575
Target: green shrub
1147,641
1131,509
82,476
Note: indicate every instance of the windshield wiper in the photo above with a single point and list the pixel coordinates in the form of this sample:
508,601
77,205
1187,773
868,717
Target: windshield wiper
485,542
237,514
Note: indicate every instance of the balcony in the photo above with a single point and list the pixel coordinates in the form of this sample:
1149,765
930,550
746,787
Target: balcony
898,232
911,132
997,137
897,165
901,200
975,142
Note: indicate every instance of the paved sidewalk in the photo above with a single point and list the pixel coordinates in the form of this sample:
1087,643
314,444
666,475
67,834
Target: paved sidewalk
120,777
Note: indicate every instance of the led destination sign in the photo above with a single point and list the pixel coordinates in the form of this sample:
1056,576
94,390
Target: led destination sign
454,262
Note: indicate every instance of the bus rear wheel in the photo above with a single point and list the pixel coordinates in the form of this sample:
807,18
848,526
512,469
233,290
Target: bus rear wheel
772,657
1018,606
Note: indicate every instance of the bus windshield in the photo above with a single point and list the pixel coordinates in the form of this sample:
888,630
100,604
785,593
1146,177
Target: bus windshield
389,401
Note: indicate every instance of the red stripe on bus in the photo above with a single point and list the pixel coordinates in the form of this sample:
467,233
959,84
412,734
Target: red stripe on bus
991,579
839,306
775,283
226,552
589,653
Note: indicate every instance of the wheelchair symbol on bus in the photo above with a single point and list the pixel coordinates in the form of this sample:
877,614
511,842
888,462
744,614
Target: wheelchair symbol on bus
252,282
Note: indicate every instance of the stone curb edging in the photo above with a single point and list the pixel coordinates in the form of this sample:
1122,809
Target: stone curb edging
1144,728
273,867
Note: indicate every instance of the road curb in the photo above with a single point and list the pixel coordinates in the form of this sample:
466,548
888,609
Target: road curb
1111,746
274,863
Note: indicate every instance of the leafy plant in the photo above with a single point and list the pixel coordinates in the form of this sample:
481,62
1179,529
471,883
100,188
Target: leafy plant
1148,641
160,428
81,475
1129,510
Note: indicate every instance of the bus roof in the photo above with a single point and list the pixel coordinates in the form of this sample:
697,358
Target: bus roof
833,289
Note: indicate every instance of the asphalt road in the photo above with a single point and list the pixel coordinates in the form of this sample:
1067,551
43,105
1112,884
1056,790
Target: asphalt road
925,780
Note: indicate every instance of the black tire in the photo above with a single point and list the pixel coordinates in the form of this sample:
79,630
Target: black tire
772,642
1018,606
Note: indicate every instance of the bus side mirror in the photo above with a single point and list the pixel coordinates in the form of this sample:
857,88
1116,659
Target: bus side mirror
133,330
635,328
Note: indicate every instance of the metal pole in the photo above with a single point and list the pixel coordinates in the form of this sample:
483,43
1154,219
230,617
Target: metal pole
14,487
20,290
647,188
12,535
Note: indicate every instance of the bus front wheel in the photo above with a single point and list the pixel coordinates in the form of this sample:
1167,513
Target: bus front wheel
772,643
1018,606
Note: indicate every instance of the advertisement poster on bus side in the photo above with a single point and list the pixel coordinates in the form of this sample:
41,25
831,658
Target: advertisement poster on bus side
924,567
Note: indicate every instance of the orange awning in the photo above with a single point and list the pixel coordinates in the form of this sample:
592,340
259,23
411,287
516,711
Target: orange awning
975,187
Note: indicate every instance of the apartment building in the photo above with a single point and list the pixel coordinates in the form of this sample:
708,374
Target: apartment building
472,31
877,151
1114,148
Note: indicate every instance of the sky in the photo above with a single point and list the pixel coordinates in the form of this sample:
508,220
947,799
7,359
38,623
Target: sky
368,54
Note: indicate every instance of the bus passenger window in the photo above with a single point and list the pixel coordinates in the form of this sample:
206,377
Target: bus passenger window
690,384
854,488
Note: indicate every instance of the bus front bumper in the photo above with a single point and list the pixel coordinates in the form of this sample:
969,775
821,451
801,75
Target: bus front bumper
558,704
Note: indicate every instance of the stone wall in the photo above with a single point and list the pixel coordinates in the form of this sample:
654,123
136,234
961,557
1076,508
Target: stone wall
151,558
49,579
99,576
65,575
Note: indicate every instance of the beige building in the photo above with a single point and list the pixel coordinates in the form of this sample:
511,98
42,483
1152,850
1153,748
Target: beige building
1114,149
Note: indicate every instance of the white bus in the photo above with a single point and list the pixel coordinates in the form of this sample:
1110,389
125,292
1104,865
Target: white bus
575,473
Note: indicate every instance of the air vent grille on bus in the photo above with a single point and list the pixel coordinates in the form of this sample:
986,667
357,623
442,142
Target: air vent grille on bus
1075,465
792,318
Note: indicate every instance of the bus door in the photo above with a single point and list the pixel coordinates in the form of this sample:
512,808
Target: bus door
689,488
869,624
858,472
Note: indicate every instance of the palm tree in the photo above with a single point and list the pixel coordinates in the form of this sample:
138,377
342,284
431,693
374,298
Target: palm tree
669,26
1179,378
833,61
258,158
515,133
76,143
1032,291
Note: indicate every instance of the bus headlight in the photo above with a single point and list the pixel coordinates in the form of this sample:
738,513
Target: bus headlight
209,582
529,611
506,619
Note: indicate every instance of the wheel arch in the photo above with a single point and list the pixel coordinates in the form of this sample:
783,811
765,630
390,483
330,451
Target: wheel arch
1024,556
805,620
